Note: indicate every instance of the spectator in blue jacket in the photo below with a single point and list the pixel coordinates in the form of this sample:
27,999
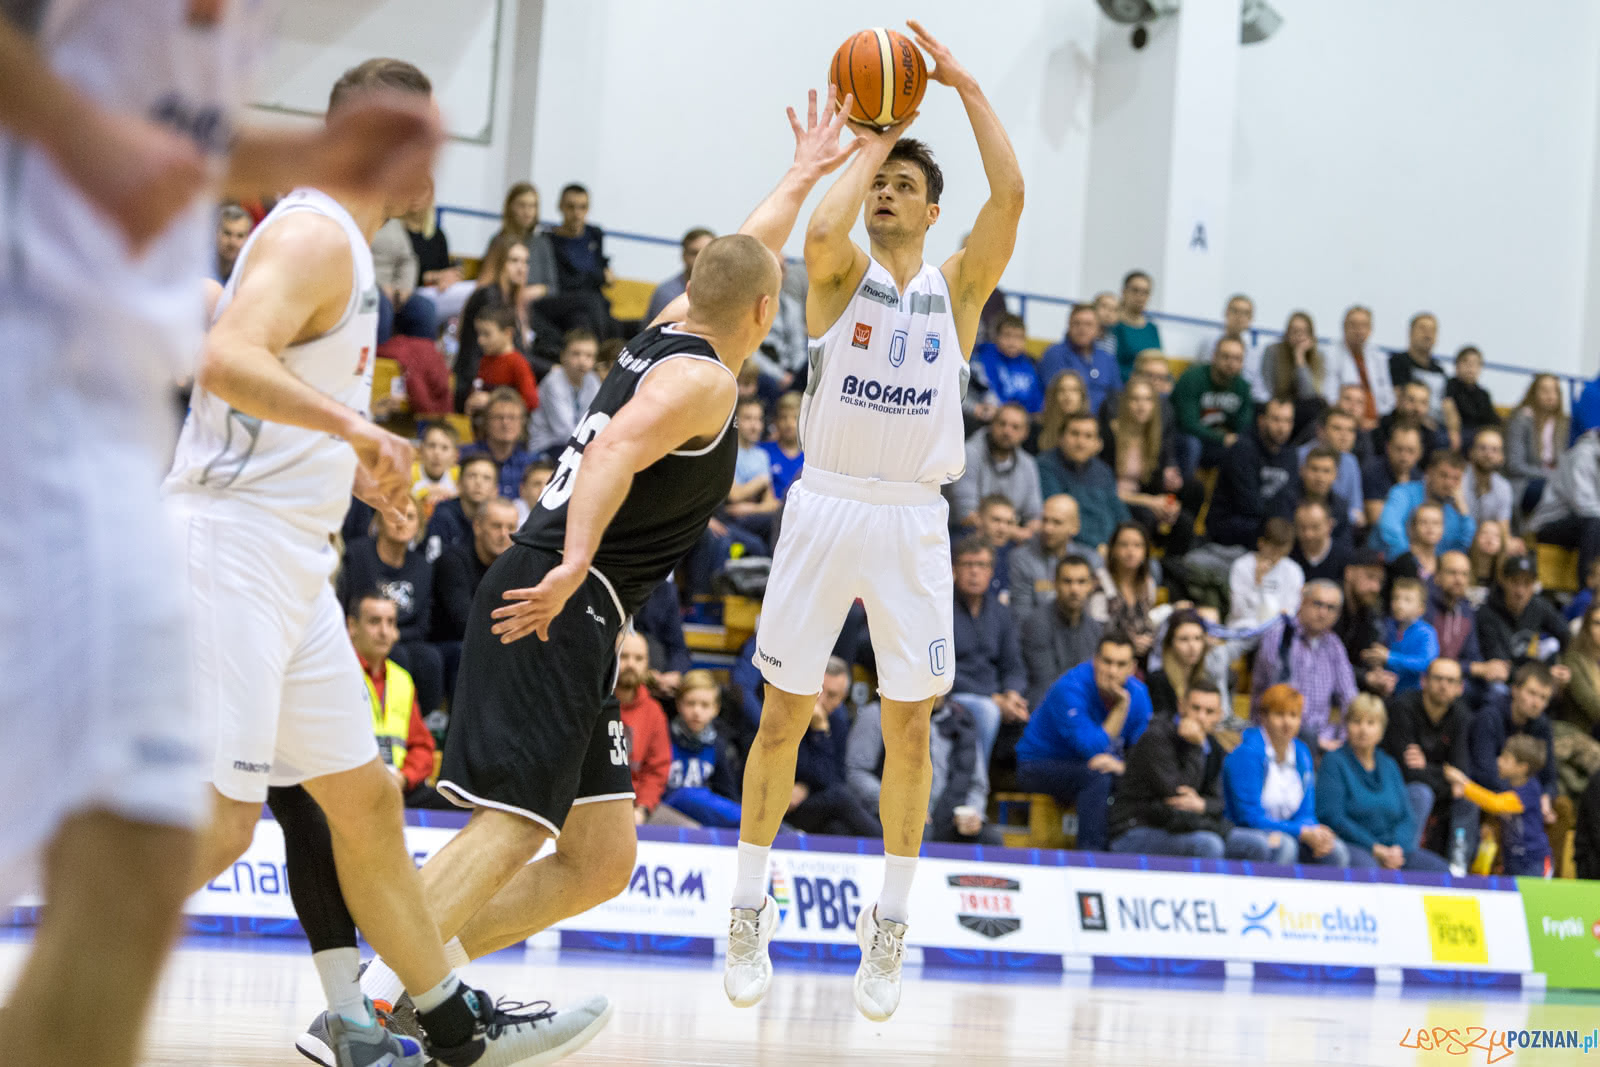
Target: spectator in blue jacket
1074,467
1440,485
701,782
1361,796
1011,373
1408,644
1520,711
1269,787
1074,743
990,673
1086,352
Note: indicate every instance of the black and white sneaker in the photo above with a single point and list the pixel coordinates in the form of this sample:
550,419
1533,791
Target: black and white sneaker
513,1034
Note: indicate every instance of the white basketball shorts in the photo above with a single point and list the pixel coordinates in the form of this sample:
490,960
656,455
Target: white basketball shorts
272,660
886,543
94,709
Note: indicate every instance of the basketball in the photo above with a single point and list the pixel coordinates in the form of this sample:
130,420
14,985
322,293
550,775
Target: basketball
885,71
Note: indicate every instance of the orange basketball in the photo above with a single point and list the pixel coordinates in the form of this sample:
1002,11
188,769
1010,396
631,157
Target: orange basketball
884,70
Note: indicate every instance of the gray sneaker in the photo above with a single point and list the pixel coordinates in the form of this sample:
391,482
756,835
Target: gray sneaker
334,1041
511,1034
883,946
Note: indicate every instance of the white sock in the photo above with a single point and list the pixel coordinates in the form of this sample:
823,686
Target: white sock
338,968
894,902
436,996
455,955
750,884
381,984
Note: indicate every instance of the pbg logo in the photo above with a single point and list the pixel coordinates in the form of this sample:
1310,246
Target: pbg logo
822,895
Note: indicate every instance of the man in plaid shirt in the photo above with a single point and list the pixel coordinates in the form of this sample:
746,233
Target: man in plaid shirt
1317,664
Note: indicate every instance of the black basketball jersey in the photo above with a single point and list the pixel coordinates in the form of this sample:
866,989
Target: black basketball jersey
670,501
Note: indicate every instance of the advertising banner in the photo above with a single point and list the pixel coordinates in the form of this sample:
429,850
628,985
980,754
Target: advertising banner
1563,919
1005,913
1165,914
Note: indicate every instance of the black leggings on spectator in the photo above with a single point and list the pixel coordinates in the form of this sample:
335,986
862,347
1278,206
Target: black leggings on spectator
313,877
426,666
836,810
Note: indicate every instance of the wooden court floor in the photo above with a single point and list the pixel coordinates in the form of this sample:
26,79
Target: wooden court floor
239,1003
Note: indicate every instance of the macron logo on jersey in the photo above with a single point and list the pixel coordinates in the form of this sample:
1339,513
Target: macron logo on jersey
874,395
862,336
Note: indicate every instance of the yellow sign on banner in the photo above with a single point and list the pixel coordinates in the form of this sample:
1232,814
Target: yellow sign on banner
1455,929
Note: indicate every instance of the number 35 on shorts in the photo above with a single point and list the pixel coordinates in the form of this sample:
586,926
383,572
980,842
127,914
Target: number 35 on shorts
619,743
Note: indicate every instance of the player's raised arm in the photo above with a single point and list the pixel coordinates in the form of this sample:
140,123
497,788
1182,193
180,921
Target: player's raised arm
817,151
973,272
681,400
833,261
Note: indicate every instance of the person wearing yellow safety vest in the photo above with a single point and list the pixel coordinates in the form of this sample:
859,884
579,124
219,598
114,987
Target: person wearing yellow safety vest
404,742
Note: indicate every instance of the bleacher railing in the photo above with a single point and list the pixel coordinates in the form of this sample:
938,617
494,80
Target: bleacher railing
1019,302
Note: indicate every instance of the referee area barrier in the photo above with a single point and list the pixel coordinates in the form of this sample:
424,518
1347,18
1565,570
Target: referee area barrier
1041,910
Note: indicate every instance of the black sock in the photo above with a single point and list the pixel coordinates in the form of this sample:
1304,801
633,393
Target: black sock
452,1028
313,878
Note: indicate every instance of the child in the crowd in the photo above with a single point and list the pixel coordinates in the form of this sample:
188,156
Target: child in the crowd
1474,406
751,502
1010,371
997,521
606,357
568,391
1265,583
1523,840
1424,532
501,363
434,474
1410,643
784,457
534,479
701,783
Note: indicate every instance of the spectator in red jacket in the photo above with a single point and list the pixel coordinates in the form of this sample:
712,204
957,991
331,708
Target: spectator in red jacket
649,747
403,740
501,363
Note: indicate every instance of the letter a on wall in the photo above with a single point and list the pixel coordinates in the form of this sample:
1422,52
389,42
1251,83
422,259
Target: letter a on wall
1198,238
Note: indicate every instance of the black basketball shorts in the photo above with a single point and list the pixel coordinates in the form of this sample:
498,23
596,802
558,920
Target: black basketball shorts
534,726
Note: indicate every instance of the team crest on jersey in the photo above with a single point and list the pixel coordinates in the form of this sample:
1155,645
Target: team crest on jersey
930,347
862,336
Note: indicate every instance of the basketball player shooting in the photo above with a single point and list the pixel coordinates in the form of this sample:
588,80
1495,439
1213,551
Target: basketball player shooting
882,428
533,747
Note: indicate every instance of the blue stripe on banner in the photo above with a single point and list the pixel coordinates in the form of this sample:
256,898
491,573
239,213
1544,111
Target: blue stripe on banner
1151,965
813,952
653,944
1471,979
991,958
243,925
1317,972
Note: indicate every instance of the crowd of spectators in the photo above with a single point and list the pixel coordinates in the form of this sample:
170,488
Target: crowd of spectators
1275,599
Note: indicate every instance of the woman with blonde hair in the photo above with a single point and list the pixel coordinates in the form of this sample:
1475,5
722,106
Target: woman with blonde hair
501,277
1488,548
1535,438
1144,457
1361,796
1065,396
439,280
1295,369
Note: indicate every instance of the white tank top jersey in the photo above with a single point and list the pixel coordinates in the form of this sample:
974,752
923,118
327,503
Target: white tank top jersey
143,57
883,400
302,476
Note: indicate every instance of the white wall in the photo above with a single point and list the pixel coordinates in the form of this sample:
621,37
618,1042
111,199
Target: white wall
466,47
673,114
1433,154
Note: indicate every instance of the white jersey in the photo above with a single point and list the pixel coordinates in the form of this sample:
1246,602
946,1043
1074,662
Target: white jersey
300,475
142,57
883,400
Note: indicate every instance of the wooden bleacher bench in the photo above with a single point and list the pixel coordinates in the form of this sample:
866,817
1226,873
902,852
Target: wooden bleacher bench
630,299
1042,826
1558,569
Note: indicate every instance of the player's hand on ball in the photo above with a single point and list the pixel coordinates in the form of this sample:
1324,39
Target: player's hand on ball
530,611
945,70
817,146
